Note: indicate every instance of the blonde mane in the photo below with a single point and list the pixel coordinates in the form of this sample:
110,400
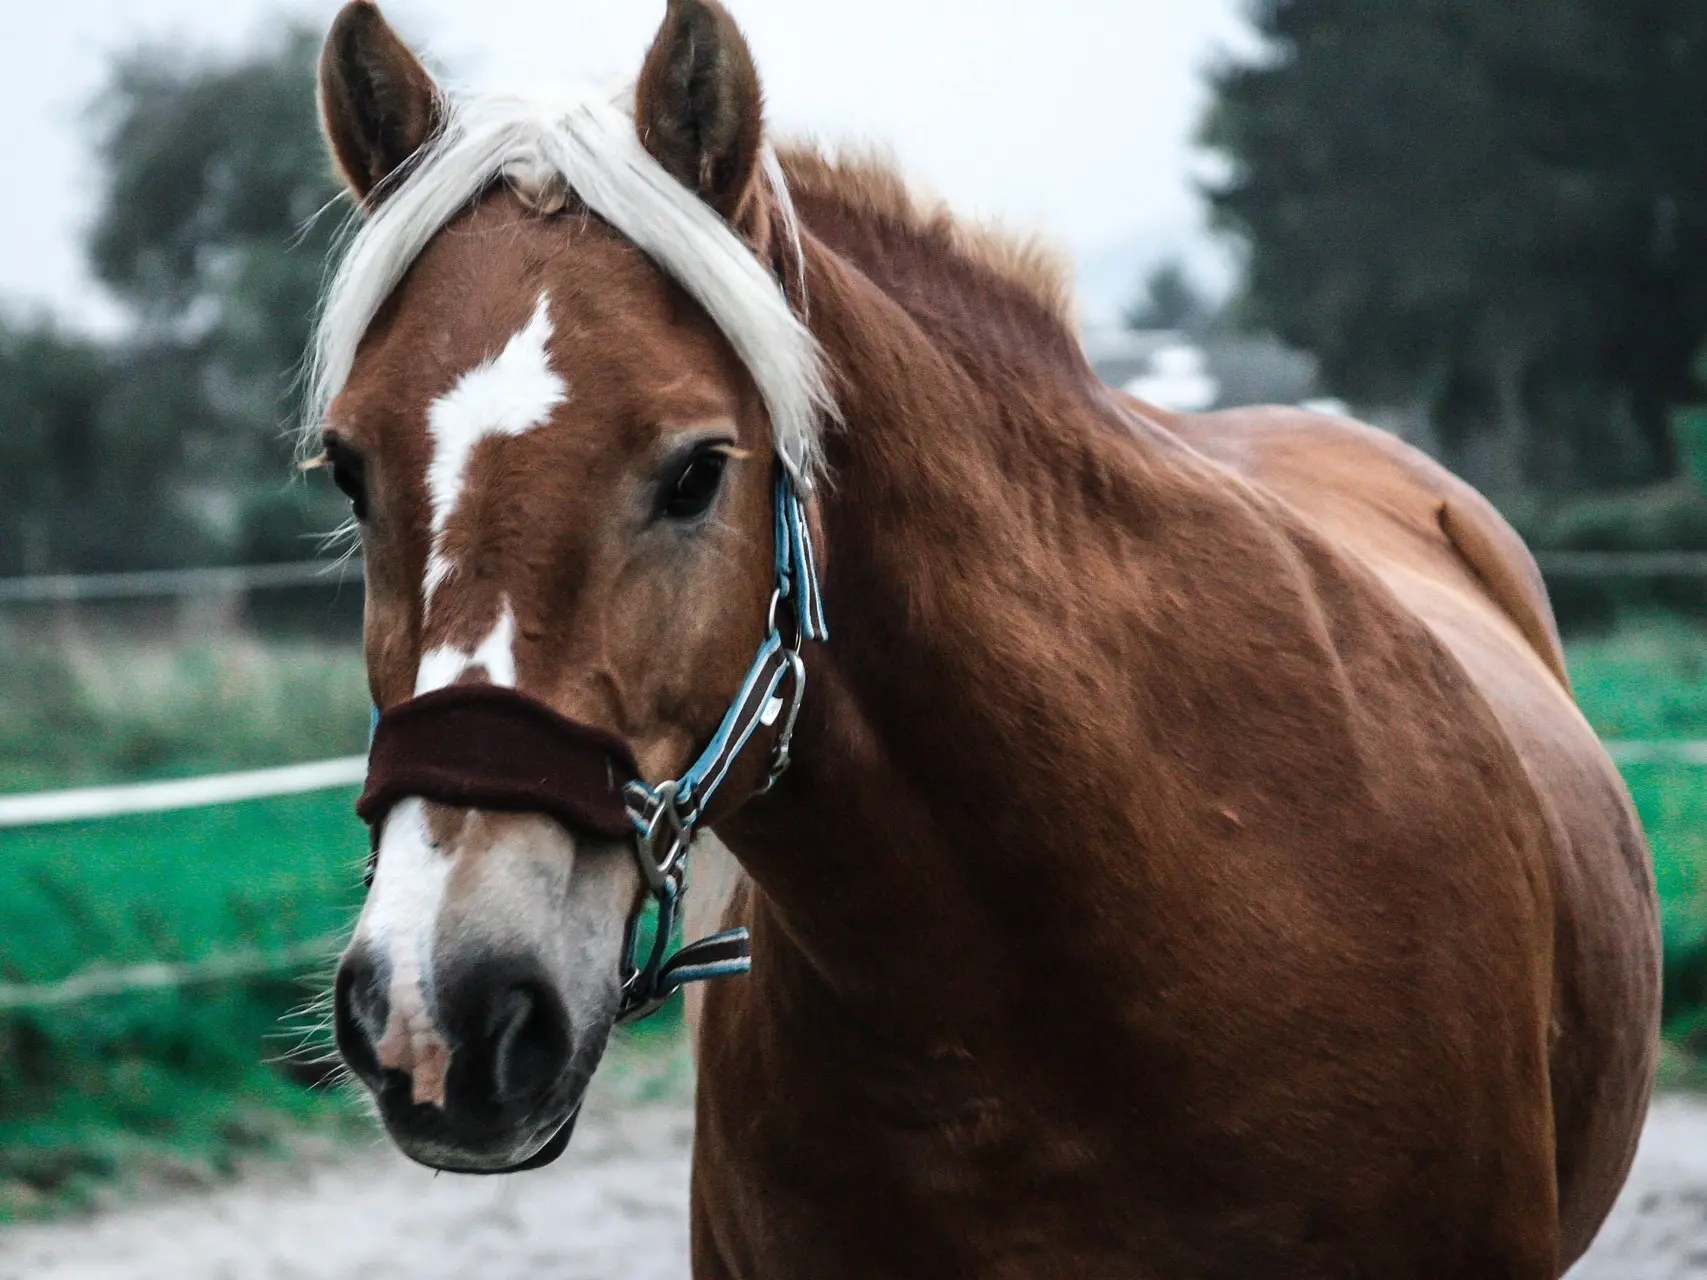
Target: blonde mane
584,143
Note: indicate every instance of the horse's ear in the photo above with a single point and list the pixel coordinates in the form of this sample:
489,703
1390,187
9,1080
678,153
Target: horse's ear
378,104
698,106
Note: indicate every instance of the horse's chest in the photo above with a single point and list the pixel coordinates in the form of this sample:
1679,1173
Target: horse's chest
955,1163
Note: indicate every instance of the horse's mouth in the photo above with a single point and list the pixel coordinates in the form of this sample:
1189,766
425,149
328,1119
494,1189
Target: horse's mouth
423,1135
546,1149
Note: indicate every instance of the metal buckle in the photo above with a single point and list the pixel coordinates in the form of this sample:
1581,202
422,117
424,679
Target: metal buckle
782,755
657,816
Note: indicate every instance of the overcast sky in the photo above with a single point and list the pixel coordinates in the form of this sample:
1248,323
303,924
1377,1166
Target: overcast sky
1070,116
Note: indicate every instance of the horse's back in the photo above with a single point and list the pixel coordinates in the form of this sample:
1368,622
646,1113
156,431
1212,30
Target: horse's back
1449,558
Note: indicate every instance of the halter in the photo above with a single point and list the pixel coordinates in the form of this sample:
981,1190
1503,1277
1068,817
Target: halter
480,746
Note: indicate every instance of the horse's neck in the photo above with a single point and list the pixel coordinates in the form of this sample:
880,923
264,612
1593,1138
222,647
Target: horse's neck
973,521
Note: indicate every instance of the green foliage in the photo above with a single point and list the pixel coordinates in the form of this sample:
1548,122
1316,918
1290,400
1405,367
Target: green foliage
215,231
1673,805
1668,517
51,388
85,483
1690,428
152,452
213,170
1495,215
1664,518
211,226
155,1108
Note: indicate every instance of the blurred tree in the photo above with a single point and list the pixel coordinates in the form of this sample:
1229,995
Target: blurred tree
208,231
86,463
1170,301
51,387
1491,214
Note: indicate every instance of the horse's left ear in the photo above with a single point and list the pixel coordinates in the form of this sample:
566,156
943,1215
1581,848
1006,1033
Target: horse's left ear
698,106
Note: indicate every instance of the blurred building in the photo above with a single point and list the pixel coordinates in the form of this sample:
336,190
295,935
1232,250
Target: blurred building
1189,374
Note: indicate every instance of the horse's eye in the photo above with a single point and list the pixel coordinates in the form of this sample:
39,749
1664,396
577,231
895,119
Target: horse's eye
349,473
694,488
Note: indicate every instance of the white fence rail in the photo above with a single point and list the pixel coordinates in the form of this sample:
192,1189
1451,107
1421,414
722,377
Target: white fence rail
91,804
103,981
88,804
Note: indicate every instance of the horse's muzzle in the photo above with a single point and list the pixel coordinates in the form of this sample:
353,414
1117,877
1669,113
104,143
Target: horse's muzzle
483,1082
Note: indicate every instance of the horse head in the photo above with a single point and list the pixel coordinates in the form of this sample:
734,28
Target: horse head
560,378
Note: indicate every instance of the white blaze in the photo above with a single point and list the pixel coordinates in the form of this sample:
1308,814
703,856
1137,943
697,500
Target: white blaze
509,395
442,667
399,922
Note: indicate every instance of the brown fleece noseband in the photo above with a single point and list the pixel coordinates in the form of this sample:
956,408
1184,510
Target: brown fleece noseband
478,746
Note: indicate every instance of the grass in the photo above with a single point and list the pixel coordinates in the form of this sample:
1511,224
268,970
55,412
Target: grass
175,1087
1672,800
187,1080
177,1084
1648,681
178,886
184,1085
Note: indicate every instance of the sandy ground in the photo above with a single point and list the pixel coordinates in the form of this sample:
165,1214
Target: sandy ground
1659,1229
615,1209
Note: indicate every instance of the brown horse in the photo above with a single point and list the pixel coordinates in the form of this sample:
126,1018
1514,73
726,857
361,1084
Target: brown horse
1192,864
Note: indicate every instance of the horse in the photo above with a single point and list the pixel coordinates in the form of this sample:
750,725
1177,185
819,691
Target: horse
1165,846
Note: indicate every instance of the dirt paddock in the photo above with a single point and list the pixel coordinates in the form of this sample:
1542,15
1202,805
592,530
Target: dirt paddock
615,1209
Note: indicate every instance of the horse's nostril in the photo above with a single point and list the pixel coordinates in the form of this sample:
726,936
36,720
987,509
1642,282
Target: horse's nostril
360,1009
529,1042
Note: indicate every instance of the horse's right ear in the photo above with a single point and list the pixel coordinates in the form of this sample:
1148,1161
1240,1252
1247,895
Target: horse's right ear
378,104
